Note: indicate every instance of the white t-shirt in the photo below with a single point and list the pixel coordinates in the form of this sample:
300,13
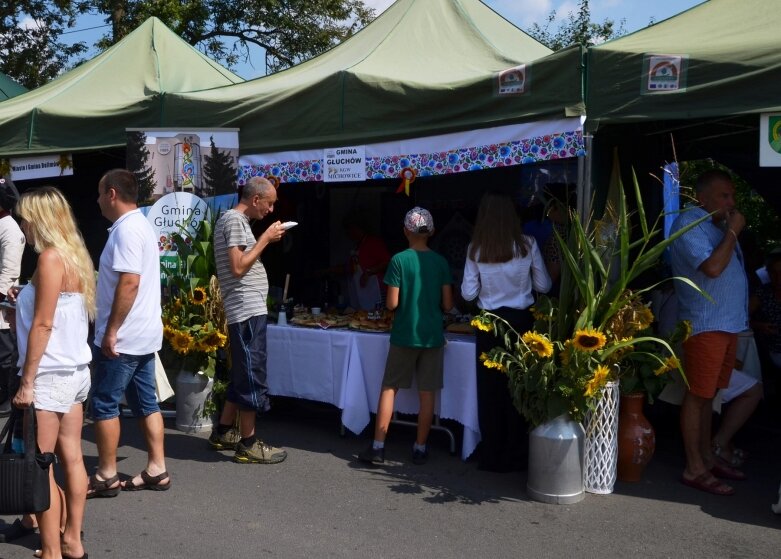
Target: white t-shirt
131,247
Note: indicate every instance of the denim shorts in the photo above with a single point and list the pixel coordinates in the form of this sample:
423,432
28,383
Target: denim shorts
131,375
248,388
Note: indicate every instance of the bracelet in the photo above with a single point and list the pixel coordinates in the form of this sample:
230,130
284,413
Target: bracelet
733,233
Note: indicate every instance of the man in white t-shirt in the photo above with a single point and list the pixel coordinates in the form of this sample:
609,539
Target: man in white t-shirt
128,332
11,250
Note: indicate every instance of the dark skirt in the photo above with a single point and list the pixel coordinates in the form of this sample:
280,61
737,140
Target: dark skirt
504,443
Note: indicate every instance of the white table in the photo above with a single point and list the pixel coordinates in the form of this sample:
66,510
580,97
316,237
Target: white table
345,368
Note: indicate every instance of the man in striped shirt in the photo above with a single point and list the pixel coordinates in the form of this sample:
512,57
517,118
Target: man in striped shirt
244,286
709,255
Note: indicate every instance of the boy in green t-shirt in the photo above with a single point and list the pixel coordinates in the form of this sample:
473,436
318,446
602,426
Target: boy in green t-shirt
419,290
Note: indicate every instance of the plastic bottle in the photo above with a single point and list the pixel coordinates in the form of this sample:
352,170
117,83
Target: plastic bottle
17,438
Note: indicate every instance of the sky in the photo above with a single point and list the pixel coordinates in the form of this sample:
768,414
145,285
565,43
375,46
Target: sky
523,13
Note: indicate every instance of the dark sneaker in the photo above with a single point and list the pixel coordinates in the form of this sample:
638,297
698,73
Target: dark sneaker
228,441
372,455
419,457
259,453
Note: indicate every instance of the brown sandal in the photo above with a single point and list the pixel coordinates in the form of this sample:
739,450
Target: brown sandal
153,483
706,482
102,487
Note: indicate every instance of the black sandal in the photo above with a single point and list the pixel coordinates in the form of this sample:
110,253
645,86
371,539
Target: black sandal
153,483
102,487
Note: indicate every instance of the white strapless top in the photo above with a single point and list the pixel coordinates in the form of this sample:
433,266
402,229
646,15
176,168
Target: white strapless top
67,348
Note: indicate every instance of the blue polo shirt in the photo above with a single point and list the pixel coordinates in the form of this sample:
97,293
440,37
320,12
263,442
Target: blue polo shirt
729,310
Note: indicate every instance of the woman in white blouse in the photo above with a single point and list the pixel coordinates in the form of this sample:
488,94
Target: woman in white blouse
52,315
503,268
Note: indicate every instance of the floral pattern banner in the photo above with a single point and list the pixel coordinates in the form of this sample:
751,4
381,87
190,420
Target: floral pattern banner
520,152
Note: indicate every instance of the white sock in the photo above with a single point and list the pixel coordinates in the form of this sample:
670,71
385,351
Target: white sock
419,447
378,445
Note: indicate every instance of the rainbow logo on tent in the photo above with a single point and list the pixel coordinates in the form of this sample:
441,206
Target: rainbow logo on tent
774,133
664,73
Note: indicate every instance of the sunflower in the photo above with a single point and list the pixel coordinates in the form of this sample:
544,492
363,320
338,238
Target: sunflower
597,381
215,339
644,317
181,341
537,315
198,296
478,323
669,364
168,331
589,340
538,343
489,363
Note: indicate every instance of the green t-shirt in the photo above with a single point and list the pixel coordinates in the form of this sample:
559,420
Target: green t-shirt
419,275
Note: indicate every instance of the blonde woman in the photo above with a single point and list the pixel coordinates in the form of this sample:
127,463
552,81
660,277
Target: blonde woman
52,315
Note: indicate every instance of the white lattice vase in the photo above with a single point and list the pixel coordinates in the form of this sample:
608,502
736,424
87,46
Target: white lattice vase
601,456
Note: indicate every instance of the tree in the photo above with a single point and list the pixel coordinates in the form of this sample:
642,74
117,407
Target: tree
30,48
137,162
218,172
290,31
576,29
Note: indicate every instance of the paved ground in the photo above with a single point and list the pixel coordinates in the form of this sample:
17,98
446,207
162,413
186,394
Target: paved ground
322,503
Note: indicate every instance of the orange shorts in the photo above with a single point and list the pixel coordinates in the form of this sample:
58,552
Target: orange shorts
709,358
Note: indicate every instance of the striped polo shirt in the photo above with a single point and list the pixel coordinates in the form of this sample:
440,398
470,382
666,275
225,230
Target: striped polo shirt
729,310
243,297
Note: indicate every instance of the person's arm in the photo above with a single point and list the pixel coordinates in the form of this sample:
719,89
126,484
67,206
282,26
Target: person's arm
720,258
470,284
447,297
392,298
241,261
541,280
124,297
12,248
49,278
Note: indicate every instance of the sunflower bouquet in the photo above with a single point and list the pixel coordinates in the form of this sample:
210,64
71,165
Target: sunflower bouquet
190,326
598,330
193,316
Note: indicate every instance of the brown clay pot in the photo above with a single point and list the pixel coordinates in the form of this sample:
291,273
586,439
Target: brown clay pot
636,438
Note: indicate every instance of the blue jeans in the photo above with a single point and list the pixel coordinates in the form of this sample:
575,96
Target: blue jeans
132,375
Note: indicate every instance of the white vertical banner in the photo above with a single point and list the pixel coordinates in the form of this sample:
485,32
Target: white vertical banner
770,140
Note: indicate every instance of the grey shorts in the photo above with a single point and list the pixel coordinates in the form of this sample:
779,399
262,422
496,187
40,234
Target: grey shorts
425,364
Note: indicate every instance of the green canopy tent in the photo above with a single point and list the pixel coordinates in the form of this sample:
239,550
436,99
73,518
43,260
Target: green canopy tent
9,88
89,107
689,87
422,68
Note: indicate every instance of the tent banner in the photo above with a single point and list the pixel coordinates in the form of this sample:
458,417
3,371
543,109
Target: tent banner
41,167
770,140
458,152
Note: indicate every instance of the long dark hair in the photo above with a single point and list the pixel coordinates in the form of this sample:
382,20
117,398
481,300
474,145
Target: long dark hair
497,236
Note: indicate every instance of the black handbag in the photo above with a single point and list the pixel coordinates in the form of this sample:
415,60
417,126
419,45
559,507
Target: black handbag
24,478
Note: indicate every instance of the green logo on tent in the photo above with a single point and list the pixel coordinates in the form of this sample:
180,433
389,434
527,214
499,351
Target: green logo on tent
774,133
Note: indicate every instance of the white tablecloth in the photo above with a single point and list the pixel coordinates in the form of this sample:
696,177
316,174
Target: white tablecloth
345,368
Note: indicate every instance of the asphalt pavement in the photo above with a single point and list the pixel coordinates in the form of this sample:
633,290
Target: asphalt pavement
321,502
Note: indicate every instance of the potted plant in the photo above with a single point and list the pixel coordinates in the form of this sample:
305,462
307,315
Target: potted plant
194,327
586,338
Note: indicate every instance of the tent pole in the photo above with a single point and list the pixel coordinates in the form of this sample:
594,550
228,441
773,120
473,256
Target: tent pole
585,193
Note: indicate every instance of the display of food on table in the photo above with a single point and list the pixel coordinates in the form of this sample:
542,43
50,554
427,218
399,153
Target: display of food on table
367,321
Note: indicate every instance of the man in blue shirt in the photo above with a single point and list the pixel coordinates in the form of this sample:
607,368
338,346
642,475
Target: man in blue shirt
709,255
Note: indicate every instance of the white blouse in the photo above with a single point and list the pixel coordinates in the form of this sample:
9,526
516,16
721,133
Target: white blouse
506,284
67,349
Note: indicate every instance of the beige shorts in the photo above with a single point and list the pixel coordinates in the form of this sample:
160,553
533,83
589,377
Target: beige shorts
425,364
57,391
